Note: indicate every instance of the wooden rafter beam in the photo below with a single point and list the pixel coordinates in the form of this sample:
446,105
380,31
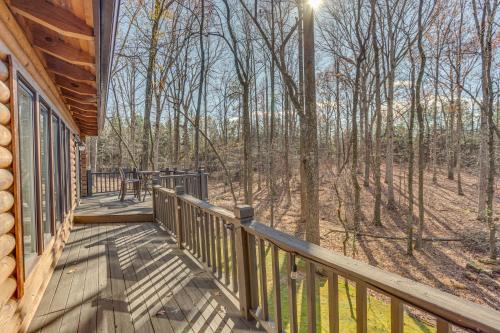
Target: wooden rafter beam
84,110
86,123
50,43
82,106
75,86
68,94
53,17
68,70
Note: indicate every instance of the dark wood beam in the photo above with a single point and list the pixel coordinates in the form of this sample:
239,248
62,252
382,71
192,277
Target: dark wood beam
53,17
78,97
75,86
84,111
49,42
68,70
85,122
83,106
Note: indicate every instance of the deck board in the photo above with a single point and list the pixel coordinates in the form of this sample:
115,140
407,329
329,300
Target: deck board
106,207
131,277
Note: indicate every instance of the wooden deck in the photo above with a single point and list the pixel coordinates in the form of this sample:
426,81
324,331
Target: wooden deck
106,207
131,277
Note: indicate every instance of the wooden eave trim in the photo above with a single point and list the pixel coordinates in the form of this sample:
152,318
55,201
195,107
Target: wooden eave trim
13,36
53,17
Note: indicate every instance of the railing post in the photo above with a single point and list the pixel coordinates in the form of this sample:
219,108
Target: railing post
89,182
179,190
155,193
200,183
245,261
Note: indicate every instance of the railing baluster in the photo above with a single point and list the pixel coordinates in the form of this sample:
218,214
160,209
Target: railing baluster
218,245
225,250
189,225
233,260
202,222
194,231
180,216
311,296
198,232
277,290
292,292
333,301
361,308
396,315
206,233
442,326
263,280
212,238
172,218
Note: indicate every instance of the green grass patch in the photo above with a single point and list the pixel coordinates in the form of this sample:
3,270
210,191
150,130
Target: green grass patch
378,308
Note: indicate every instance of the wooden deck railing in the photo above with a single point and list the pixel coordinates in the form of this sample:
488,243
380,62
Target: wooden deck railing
235,249
194,182
105,182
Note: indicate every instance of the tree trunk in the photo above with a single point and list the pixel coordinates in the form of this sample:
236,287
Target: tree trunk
148,96
309,136
421,129
378,127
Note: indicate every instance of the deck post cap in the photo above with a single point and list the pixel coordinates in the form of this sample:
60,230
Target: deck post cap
243,211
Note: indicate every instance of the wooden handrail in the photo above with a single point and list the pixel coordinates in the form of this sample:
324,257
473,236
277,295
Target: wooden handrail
431,300
200,225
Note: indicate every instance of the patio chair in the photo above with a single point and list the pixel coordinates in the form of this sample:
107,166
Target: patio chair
136,186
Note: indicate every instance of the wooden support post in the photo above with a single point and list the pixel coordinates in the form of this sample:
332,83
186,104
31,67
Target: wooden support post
155,193
243,215
179,190
89,182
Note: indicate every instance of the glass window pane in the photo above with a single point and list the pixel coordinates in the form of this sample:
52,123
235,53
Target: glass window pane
45,176
56,159
27,166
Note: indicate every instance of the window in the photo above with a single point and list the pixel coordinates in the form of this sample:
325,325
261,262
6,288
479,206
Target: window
45,174
57,168
26,103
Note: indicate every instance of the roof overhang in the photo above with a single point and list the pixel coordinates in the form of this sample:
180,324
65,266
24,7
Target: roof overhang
75,41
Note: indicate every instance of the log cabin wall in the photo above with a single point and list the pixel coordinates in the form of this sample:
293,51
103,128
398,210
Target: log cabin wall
20,294
55,61
83,173
8,254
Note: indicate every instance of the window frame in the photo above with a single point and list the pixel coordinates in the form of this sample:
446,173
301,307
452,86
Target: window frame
44,105
28,265
61,139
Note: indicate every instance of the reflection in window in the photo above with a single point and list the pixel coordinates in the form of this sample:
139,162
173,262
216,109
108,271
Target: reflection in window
45,175
56,166
27,166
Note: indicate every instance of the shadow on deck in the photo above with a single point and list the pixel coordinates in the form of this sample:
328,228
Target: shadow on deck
106,207
131,277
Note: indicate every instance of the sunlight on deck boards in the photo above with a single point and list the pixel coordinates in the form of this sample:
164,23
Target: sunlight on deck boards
131,277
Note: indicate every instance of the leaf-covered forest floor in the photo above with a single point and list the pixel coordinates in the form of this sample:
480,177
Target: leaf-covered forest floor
441,264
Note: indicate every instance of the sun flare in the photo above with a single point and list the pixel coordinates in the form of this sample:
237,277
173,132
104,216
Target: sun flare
314,3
